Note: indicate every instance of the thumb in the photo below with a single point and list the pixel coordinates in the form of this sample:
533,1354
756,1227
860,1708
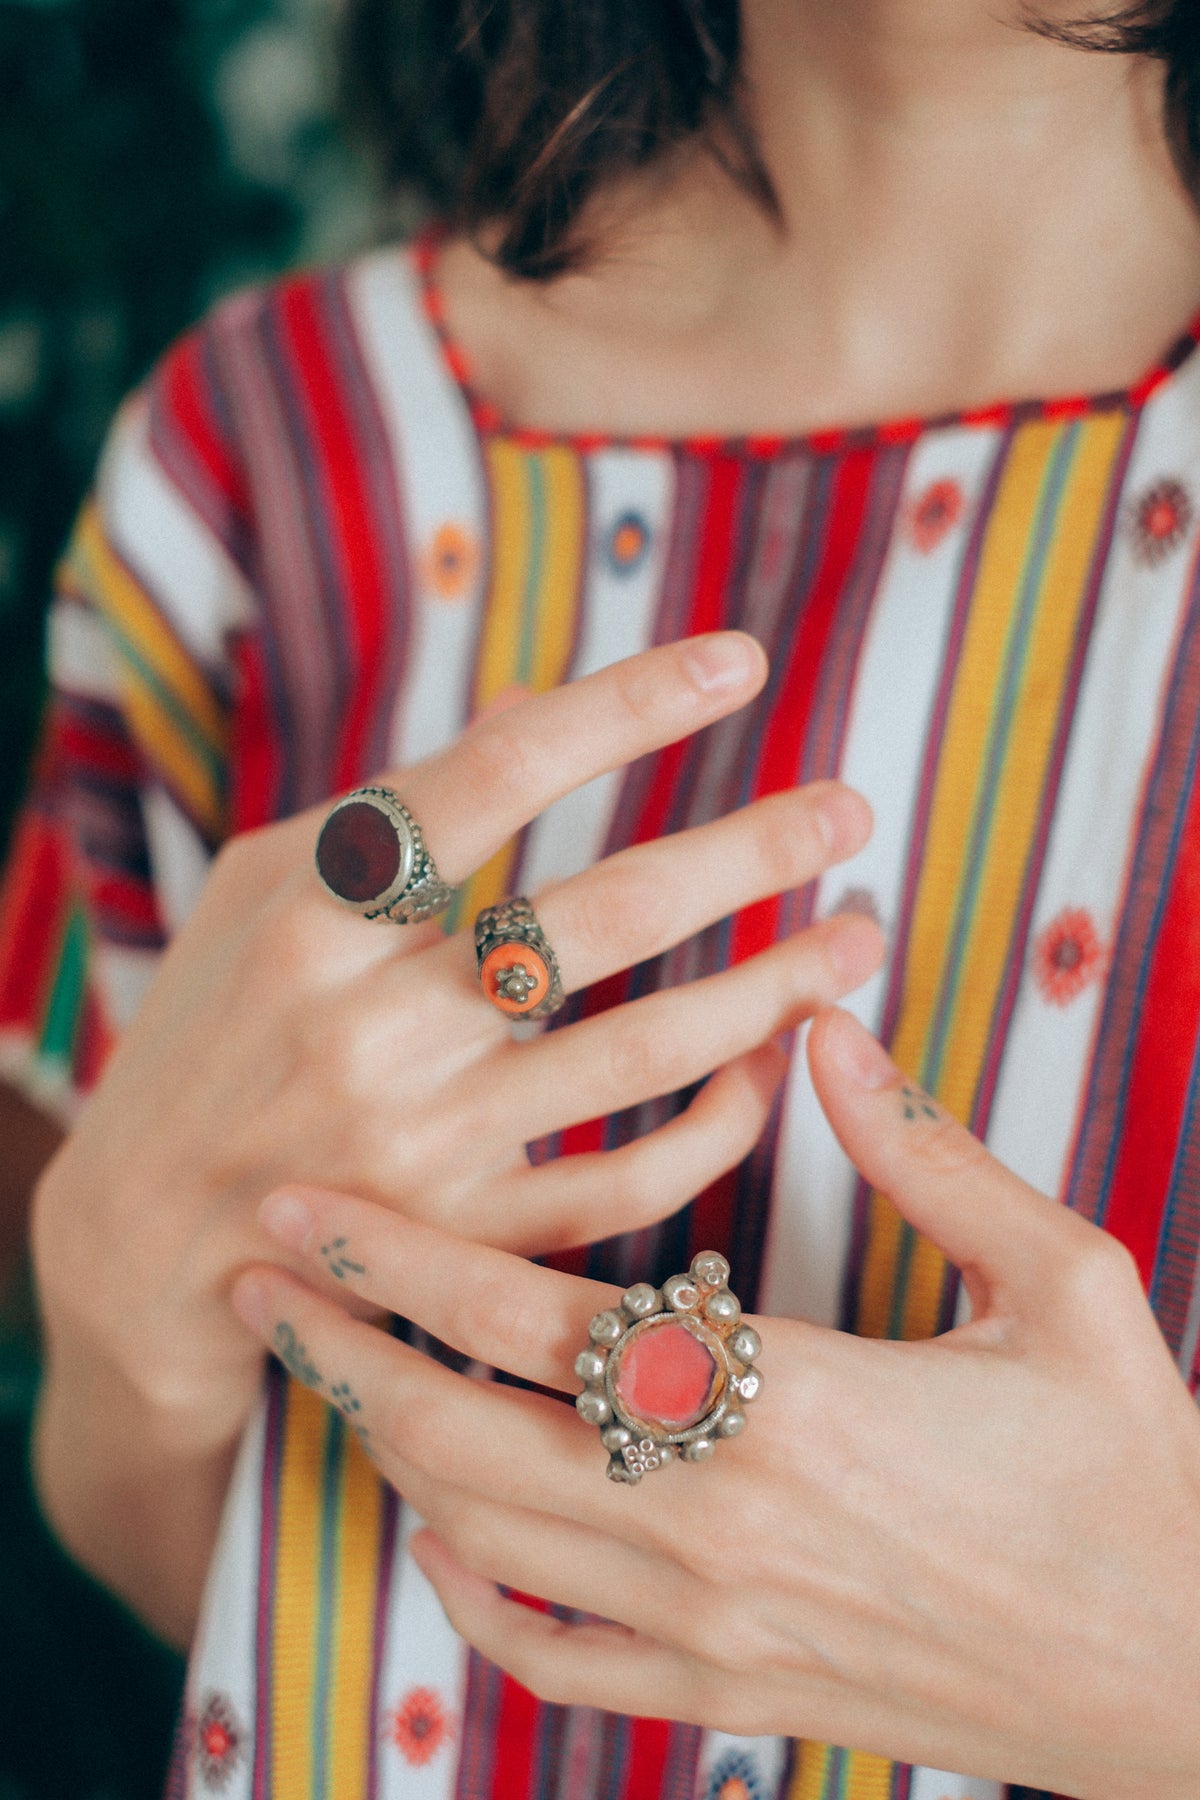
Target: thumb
1011,1243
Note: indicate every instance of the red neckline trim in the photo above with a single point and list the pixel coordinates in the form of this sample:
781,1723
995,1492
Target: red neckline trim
490,422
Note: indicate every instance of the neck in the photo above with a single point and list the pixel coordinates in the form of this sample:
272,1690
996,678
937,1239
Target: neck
969,211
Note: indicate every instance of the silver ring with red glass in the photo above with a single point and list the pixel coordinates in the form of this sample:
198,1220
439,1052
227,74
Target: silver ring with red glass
669,1372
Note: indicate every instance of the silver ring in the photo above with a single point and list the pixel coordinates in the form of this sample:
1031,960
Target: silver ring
518,970
670,1371
371,856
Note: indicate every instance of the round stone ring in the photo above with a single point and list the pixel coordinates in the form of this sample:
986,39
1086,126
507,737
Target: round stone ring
518,970
670,1372
371,856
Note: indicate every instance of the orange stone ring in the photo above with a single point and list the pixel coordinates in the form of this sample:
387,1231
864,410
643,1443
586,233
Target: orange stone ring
670,1371
518,970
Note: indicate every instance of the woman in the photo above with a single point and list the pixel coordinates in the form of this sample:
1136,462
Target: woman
356,511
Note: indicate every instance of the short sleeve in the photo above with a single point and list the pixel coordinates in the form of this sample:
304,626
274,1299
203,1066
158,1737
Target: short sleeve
128,797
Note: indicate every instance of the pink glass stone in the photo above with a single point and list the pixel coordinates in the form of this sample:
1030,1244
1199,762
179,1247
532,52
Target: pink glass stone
666,1377
358,851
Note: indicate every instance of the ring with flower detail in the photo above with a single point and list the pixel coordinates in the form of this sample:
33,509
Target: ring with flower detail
371,856
670,1371
518,970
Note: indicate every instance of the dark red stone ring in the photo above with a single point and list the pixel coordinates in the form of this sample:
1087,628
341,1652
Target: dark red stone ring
371,856
670,1372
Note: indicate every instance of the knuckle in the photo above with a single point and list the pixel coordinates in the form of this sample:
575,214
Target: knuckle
947,1148
1095,1270
623,912
292,943
494,760
785,842
643,1056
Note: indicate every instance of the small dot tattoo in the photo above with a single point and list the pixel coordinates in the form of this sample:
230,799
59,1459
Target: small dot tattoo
294,1357
917,1105
340,1265
350,1406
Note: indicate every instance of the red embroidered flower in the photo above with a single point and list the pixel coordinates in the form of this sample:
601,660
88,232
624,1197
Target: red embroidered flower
419,1726
1066,956
934,513
219,1741
1160,521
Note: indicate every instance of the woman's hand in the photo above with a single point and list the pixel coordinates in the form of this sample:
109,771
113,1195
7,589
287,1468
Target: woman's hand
979,1553
286,1039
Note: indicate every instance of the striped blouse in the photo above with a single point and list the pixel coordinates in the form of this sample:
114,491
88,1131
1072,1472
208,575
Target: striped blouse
314,552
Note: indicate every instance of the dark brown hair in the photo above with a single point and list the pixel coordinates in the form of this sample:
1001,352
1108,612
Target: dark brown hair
512,114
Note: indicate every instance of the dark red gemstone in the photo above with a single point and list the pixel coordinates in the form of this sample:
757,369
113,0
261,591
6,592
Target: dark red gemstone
358,852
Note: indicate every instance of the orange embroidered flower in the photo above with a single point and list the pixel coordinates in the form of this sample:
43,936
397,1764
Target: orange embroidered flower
1067,955
934,513
628,542
419,1726
450,562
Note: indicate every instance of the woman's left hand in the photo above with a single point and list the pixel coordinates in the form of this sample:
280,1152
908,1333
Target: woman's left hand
980,1552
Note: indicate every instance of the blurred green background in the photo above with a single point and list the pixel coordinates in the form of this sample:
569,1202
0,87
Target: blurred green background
153,155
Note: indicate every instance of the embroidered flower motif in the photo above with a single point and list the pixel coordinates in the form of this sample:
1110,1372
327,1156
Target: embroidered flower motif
419,1726
735,1776
1067,955
628,542
219,1741
1159,521
450,562
935,513
859,900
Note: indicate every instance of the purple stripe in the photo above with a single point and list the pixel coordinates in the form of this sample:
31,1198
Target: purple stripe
263,1698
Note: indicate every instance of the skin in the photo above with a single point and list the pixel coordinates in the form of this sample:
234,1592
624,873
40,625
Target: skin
885,123
320,1046
879,1558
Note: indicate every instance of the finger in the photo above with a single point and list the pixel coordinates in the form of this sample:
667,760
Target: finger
582,1199
497,1309
669,1039
558,1560
1010,1239
647,899
414,1413
560,1662
512,765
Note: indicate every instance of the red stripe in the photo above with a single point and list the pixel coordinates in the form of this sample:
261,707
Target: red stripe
85,744
517,1718
33,909
93,1042
1162,1060
185,391
646,1764
757,927
121,898
353,536
256,746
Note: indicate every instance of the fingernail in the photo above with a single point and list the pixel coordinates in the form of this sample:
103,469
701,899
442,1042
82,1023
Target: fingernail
857,947
249,1301
722,661
843,819
287,1218
860,1057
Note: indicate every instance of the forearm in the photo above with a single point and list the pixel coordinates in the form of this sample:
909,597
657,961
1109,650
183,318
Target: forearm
129,1498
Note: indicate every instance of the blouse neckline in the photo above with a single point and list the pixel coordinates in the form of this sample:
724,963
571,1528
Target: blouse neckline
489,421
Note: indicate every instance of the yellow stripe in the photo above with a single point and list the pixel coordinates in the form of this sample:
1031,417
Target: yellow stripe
297,1591
174,715
352,1666
864,1777
809,1773
538,527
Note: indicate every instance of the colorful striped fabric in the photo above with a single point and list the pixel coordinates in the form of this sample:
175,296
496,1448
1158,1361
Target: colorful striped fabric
316,552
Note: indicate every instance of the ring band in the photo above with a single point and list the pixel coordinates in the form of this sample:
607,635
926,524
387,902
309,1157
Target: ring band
371,856
517,968
669,1371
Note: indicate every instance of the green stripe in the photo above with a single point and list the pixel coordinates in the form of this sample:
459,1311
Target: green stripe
61,1021
533,577
193,733
327,1597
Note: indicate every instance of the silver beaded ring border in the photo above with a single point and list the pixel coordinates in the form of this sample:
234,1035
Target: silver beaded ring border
702,1302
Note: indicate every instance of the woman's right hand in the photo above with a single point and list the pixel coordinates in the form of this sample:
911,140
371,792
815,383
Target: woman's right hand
286,1040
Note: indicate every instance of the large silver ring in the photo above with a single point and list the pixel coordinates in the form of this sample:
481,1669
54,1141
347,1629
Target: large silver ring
669,1372
371,856
518,970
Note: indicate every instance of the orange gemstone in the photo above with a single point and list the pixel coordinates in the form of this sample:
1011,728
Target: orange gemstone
667,1377
506,957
